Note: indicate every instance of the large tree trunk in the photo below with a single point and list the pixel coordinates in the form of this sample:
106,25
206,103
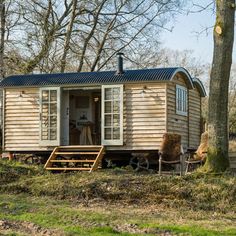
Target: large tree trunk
2,38
217,159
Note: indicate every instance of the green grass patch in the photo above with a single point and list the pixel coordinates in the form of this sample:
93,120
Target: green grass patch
118,202
74,219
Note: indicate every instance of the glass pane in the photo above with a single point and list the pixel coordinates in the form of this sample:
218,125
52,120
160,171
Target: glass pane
45,96
107,132
44,121
116,120
45,134
108,120
108,94
108,106
53,109
53,134
53,95
45,109
53,122
116,93
116,107
116,133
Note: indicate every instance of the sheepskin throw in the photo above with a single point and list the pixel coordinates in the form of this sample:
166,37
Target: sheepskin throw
171,147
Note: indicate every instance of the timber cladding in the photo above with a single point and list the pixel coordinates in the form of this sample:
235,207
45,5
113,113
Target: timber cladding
194,118
176,123
21,119
144,116
232,159
149,111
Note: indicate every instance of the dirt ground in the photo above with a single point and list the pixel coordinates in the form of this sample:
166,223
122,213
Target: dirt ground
25,228
28,228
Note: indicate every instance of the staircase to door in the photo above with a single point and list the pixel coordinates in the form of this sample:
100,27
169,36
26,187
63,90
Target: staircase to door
83,158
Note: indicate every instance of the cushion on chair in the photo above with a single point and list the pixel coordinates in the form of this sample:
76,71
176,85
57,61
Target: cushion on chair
171,147
202,149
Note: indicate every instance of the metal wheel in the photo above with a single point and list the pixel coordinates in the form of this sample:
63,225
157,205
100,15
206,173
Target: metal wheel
139,162
134,163
143,163
32,160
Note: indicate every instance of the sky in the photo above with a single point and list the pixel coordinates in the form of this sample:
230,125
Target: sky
186,34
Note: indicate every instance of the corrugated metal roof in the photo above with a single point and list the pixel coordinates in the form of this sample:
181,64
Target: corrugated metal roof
93,78
198,84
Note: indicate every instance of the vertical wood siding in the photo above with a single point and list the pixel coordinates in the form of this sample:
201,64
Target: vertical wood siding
21,125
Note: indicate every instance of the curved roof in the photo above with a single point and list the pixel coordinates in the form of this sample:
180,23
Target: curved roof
96,78
188,78
198,84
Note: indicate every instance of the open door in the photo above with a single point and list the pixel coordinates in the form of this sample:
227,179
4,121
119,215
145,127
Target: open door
112,115
49,117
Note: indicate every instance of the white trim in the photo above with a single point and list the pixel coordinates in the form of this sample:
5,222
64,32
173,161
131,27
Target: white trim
57,141
183,100
111,141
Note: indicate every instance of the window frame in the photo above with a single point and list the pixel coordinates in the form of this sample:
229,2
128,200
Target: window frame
181,99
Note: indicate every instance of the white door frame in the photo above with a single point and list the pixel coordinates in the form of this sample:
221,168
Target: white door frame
49,142
112,141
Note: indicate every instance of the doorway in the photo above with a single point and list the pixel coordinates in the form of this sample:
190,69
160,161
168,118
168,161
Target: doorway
85,117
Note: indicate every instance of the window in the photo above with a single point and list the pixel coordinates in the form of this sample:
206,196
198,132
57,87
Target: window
181,100
112,114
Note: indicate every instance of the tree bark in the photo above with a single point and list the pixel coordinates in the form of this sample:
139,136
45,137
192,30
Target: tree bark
2,38
217,159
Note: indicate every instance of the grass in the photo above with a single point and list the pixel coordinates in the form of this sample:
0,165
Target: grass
74,219
117,202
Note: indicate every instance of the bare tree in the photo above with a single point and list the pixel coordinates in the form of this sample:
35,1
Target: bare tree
72,35
111,26
48,23
68,34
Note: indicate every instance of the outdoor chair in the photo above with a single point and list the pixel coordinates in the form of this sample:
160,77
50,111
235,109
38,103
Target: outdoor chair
171,152
197,157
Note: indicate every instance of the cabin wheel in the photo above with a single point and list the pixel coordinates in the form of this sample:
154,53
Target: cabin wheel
139,162
143,163
134,163
32,159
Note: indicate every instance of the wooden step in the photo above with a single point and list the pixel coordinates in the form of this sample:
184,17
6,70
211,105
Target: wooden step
68,168
76,153
98,159
82,147
89,153
80,161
